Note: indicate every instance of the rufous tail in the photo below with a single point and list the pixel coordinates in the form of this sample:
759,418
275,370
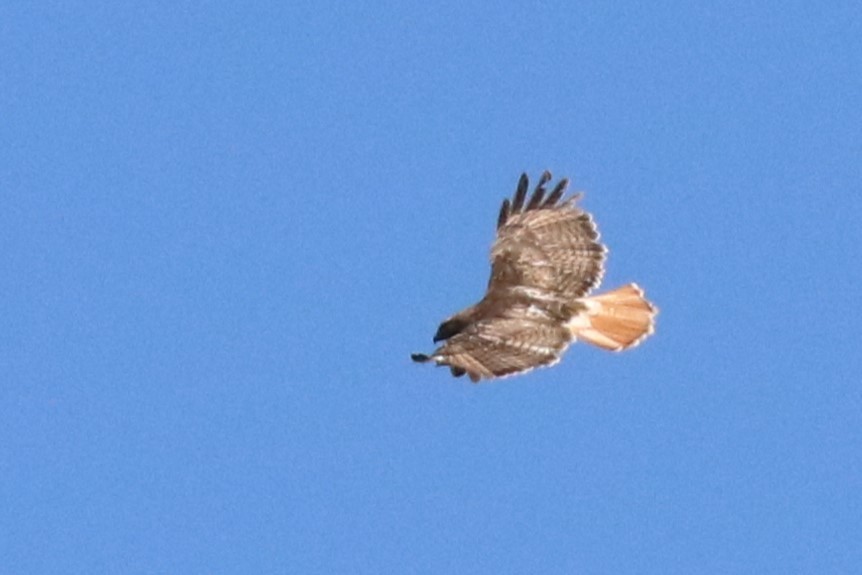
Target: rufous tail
616,320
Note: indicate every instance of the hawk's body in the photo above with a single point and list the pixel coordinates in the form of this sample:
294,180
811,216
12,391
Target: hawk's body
545,260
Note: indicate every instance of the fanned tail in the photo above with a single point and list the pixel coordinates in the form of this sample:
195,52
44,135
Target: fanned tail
616,320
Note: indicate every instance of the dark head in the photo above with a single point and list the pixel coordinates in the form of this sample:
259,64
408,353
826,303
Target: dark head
449,328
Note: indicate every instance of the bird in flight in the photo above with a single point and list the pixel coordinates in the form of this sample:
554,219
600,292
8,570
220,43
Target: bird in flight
545,260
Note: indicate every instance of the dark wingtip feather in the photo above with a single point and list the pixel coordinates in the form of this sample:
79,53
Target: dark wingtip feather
419,357
536,199
558,192
539,193
504,213
539,200
520,194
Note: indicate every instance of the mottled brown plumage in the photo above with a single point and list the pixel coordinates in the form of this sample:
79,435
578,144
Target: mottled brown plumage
545,260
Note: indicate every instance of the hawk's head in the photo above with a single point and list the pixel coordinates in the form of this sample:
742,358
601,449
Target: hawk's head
450,327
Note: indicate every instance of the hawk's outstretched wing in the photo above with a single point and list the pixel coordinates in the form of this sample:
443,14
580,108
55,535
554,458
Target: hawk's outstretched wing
545,246
498,347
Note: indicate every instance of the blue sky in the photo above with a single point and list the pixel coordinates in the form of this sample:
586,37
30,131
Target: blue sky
226,226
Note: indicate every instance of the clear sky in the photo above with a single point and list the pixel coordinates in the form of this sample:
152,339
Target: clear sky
225,226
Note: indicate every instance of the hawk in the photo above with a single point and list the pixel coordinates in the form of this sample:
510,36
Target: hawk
544,262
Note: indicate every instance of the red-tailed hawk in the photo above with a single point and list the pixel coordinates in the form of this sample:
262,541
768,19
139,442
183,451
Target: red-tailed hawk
545,260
